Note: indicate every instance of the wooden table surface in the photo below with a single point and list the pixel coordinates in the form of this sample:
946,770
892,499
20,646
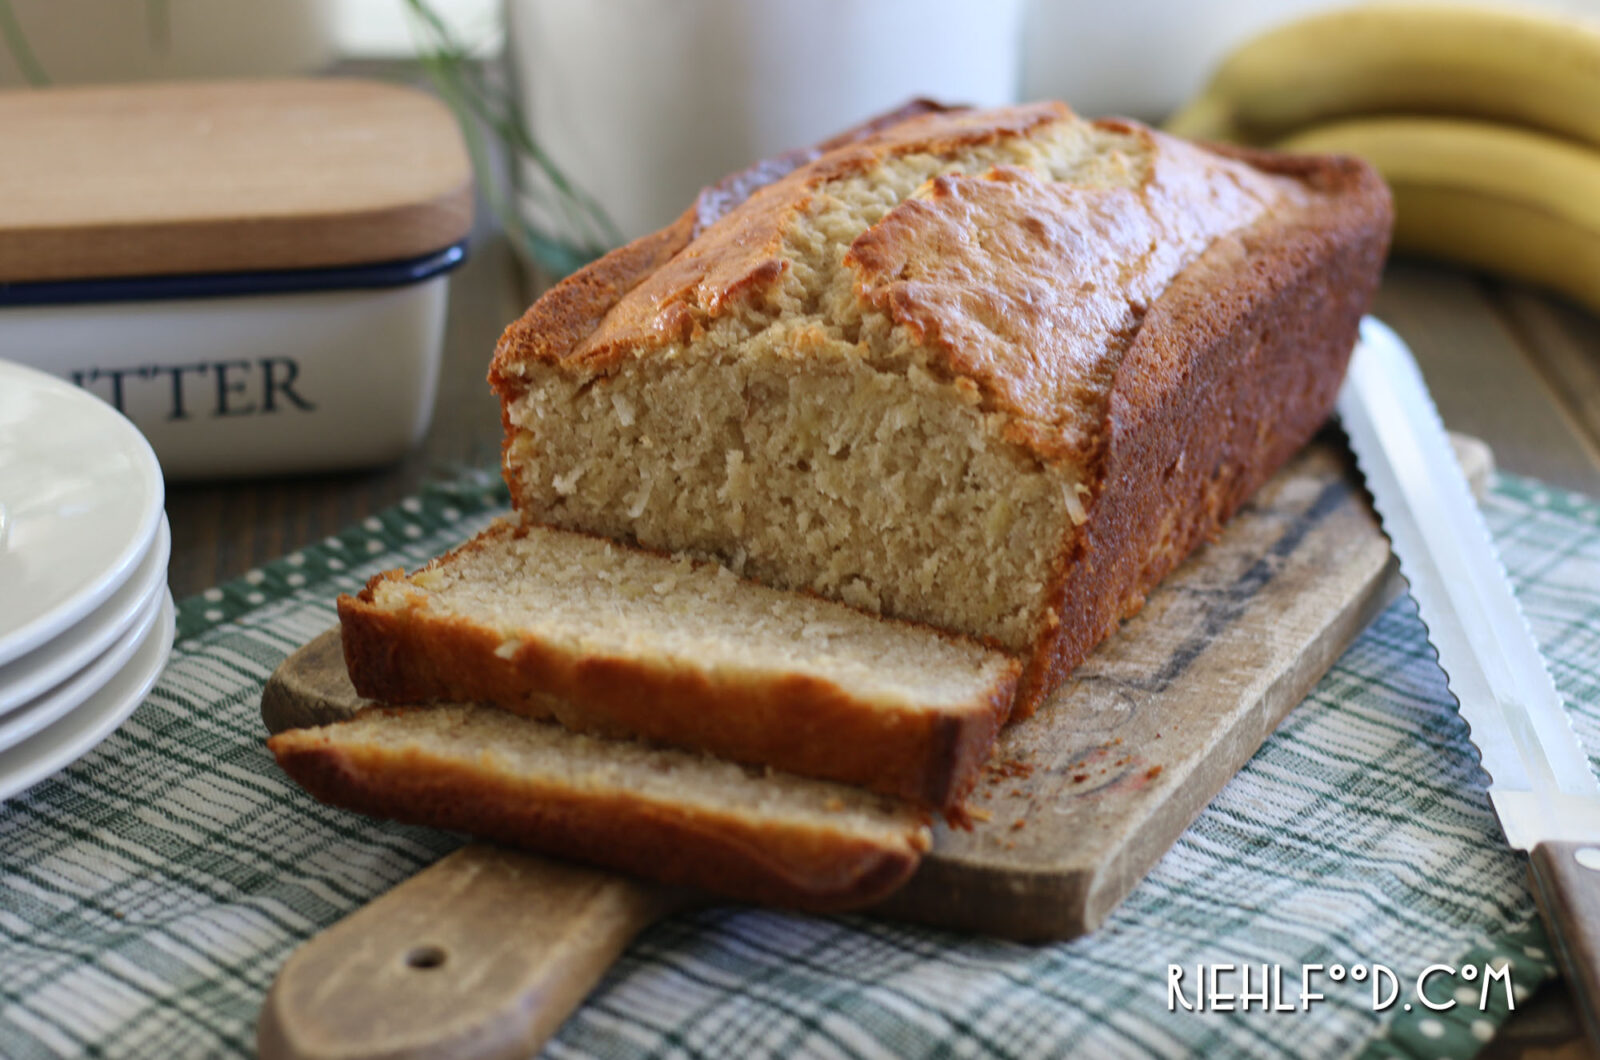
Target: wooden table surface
1516,368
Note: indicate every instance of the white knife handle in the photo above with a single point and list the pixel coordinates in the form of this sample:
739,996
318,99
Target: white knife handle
1567,882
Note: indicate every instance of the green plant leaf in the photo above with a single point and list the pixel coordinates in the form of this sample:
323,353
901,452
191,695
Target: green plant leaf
21,51
481,106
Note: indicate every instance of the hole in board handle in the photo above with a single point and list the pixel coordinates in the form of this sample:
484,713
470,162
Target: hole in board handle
1588,857
425,958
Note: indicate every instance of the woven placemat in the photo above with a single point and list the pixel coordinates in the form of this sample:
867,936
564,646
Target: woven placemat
150,892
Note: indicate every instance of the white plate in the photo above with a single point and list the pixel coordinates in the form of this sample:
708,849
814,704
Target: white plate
37,713
97,717
53,662
82,493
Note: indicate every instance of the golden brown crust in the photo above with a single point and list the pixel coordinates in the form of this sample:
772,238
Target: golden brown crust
716,201
795,722
1032,287
1026,286
1232,371
724,852
651,302
573,309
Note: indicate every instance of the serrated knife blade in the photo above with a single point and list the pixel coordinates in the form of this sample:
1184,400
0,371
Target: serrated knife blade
1541,786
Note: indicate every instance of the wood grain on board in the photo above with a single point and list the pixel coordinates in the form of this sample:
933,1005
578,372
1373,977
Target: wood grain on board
482,956
1088,795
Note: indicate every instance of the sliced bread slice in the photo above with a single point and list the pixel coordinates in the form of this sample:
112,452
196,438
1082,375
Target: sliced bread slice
672,816
617,641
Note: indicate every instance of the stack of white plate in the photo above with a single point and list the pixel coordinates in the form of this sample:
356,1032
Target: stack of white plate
86,620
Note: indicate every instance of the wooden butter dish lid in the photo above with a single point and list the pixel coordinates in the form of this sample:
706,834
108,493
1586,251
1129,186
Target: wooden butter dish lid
225,176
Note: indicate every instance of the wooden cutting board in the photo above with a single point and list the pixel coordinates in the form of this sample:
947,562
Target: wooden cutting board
485,953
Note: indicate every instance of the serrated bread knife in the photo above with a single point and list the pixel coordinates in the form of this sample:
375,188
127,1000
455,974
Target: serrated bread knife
1540,782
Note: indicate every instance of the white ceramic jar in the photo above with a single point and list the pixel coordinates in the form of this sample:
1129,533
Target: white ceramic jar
643,102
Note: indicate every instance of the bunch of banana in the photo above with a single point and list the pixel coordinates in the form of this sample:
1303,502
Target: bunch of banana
1484,121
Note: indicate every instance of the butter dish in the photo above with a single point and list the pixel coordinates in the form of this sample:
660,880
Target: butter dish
254,272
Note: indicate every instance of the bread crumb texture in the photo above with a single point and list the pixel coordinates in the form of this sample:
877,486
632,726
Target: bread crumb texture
885,378
584,596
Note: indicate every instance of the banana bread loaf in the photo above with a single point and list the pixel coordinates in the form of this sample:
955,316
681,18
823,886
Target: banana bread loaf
994,371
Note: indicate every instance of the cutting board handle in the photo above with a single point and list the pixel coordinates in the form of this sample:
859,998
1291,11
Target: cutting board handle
482,955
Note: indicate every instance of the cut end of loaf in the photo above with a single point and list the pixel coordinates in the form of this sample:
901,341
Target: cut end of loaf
671,816
886,491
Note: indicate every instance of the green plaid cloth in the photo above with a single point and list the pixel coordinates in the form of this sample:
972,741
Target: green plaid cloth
149,894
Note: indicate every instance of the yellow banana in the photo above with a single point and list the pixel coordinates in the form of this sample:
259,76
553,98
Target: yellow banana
1539,69
1505,200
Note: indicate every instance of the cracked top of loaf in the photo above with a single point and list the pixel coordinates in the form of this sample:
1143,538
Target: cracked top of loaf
1014,251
